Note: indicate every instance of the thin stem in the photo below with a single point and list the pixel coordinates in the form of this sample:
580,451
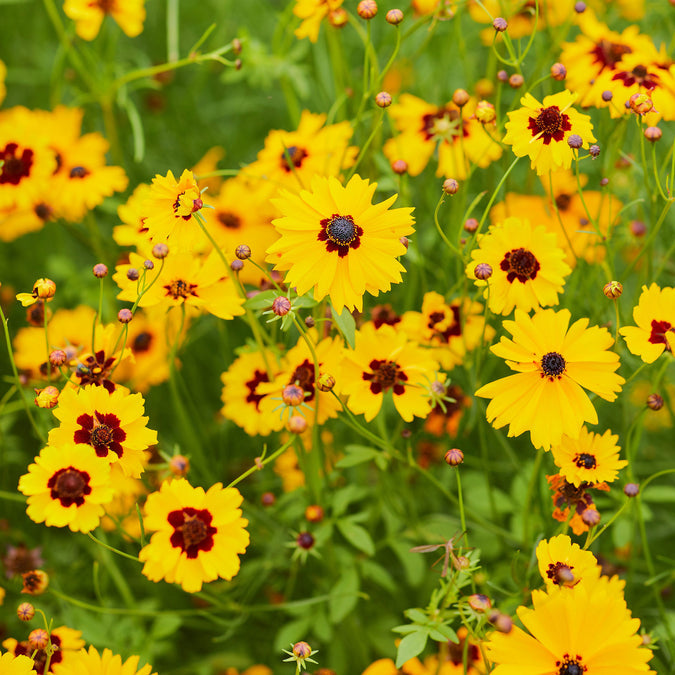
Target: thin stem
262,462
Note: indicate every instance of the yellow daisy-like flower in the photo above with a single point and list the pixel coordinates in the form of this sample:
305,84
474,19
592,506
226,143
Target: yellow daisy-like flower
528,269
241,396
334,240
563,564
88,15
112,424
312,12
655,319
384,360
198,535
460,138
65,641
591,458
16,665
554,363
92,663
67,487
542,130
585,629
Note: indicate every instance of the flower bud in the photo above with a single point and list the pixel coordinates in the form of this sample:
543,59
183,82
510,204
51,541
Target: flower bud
47,397
594,151
516,81
460,97
45,289
450,186
338,17
100,270
394,17
58,357
638,228
485,112
309,321
482,271
314,513
640,104
133,274
305,540
454,457
124,315
502,622
607,96
25,611
579,7
268,499
591,517
148,265
479,602
38,639
179,465
654,402
575,141
653,134
558,72
631,489
325,382
281,305
502,76
243,252
500,24
399,166
297,424
292,395
367,9
613,290
237,265
383,99
471,225
160,250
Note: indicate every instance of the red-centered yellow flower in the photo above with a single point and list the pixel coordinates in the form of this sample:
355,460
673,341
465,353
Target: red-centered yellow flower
563,564
554,363
385,361
655,319
15,665
66,642
591,458
67,487
461,140
241,396
111,424
541,131
106,663
528,269
198,535
585,629
88,15
336,242
312,12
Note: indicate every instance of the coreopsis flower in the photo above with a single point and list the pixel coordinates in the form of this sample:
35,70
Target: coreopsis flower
384,361
88,16
528,268
461,139
184,279
655,319
336,242
555,362
451,329
241,396
569,499
112,424
35,582
591,458
541,131
563,564
91,662
133,231
312,12
65,641
291,158
67,487
10,664
585,629
198,535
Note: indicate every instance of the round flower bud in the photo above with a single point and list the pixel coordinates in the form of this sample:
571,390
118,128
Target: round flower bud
314,513
305,540
267,499
485,112
575,141
613,289
500,24
654,402
309,321
591,517
471,224
631,489
35,582
579,7
338,17
438,388
594,151
502,76
502,622
45,289
325,382
243,252
454,457
25,611
640,104
38,639
383,99
558,72
405,241
237,265
132,274
638,228
124,315
367,9
483,271
160,250
460,97
100,270
516,81
292,395
297,424
406,434
179,465
461,562
47,397
148,265
607,96
604,181
394,17
281,305
399,166
479,602
653,134
450,186
57,358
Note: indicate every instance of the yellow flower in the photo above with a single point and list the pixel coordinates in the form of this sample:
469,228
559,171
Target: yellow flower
133,231
198,535
88,16
312,12
16,665
334,240
564,564
541,131
67,487
554,363
92,663
66,641
655,319
528,270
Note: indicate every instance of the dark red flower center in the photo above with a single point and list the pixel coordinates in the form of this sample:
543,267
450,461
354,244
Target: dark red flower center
296,156
39,656
340,234
658,333
142,342
176,206
453,330
192,530
79,172
385,375
69,486
521,264
382,314
557,570
179,288
252,386
610,53
562,201
16,165
585,461
303,377
570,666
96,369
102,431
639,75
549,124
229,220
552,365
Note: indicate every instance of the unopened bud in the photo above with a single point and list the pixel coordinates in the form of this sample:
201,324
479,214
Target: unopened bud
243,252
304,540
399,166
237,265
297,424
575,141
394,17
482,271
38,639
500,24
594,151
591,517
654,402
613,290
471,224
450,186
267,499
133,274
638,228
502,622
640,104
653,134
281,305
160,250
607,96
485,112
338,17
47,397
367,9
631,489
325,382
58,357
292,395
314,513
479,602
100,270
460,97
124,315
179,465
454,457
558,72
516,81
383,99
25,611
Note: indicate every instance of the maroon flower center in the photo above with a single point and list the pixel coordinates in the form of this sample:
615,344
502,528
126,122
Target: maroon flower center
557,570
609,53
562,201
384,314
192,530
106,5
552,365
385,375
549,124
252,386
179,288
79,172
658,333
303,377
296,156
585,461
445,125
102,431
16,166
453,330
141,343
570,666
96,370
519,263
43,211
340,234
639,75
229,220
69,486
39,656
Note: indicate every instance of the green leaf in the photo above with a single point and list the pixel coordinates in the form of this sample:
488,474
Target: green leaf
344,595
410,646
379,575
659,493
442,633
344,497
357,454
261,300
417,616
357,536
346,324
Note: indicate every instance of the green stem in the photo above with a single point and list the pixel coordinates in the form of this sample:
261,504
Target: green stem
494,195
263,462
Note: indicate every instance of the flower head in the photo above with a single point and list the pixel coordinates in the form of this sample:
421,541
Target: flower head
91,662
88,16
563,564
64,644
312,12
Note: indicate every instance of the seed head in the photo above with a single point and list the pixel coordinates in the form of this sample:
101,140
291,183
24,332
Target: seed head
133,274
367,9
613,290
326,382
394,17
292,395
485,112
281,305
47,397
297,424
243,252
124,315
654,402
179,465
383,99
471,225
454,457
631,489
100,270
516,81
25,611
558,72
450,186
38,639
482,271
305,540
460,97
500,24
653,134
314,513
160,250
